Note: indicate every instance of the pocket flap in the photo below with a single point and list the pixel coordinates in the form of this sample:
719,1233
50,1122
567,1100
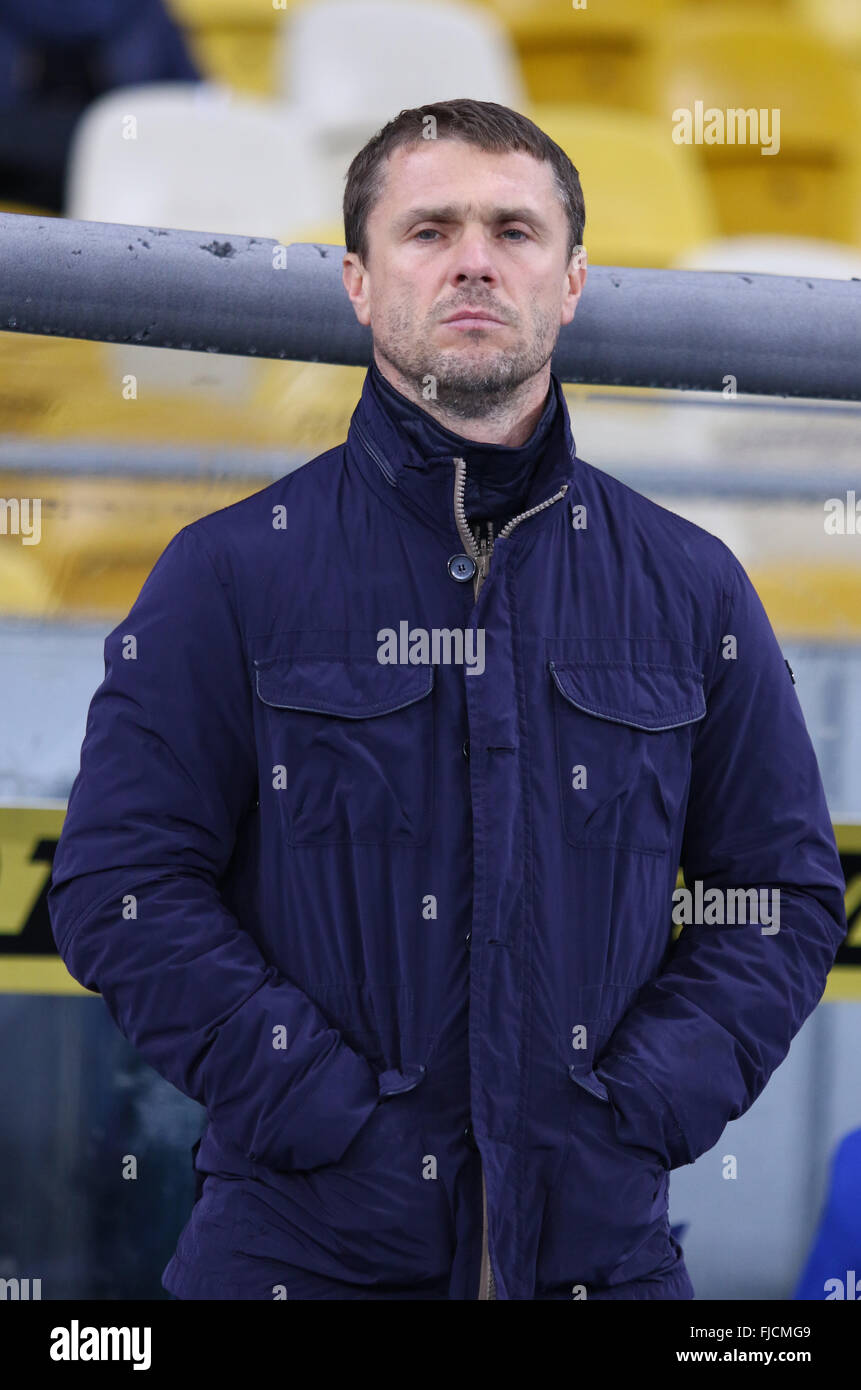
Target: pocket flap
585,1077
395,1083
635,693
350,687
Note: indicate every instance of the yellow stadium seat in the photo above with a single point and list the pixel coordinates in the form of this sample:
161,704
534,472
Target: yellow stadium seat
744,6
103,530
309,402
26,590
791,92
811,602
597,53
645,203
26,209
100,537
329,232
838,20
210,14
233,41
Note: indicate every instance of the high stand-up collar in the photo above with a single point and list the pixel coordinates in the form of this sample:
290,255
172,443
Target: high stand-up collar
399,445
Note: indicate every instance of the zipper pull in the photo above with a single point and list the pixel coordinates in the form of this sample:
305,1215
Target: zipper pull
483,566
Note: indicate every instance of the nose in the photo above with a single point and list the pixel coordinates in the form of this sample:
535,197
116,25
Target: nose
473,258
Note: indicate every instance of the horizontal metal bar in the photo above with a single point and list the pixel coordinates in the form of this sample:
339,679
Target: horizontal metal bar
214,292
201,460
207,465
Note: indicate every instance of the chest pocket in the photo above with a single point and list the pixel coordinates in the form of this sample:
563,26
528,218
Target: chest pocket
351,746
624,732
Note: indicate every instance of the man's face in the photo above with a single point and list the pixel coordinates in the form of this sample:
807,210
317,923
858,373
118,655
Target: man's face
457,229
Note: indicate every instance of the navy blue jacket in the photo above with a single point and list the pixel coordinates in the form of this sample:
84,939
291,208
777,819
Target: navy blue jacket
404,927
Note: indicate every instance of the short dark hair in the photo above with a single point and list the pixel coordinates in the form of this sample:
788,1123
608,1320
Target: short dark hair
486,124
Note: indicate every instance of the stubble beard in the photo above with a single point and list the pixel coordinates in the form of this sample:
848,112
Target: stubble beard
469,382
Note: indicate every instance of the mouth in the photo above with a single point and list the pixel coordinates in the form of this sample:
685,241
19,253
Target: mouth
472,318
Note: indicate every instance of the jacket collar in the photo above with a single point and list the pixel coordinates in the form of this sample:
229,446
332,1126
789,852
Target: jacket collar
407,457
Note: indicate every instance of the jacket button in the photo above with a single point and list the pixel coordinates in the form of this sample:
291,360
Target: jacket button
468,937
461,568
470,1137
466,748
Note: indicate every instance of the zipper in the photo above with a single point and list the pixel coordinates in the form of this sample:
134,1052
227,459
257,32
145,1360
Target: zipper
481,548
486,1281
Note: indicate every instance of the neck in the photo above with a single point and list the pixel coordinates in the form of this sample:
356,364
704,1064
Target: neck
510,418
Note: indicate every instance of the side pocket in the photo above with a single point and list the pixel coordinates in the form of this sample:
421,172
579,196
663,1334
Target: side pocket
605,1221
386,1127
588,1081
375,1219
643,1112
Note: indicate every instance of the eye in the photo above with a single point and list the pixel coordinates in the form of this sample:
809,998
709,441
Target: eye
508,232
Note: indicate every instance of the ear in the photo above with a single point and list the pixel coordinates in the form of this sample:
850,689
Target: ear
355,279
575,277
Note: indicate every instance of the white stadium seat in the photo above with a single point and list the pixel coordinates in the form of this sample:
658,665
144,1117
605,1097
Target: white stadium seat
775,255
195,156
354,64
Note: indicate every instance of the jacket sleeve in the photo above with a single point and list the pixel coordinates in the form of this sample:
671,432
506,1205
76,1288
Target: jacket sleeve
701,1039
168,769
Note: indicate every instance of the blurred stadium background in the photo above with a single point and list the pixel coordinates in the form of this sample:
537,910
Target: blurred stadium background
244,115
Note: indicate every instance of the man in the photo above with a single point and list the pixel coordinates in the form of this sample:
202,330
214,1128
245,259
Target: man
375,839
